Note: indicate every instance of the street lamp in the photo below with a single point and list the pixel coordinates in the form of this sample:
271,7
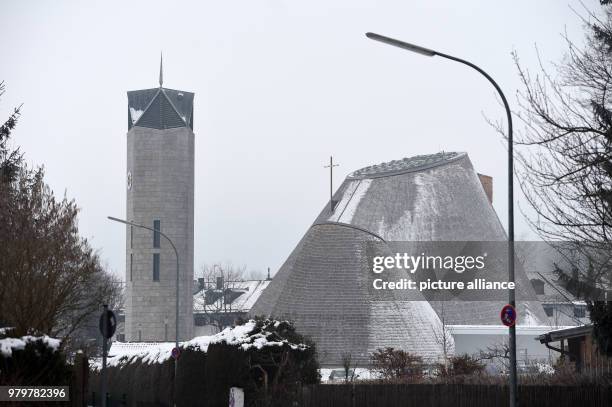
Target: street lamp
176,325
431,53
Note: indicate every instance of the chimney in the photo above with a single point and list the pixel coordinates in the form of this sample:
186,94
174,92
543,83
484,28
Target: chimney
487,185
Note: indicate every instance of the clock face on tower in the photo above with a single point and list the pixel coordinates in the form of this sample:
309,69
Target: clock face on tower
129,180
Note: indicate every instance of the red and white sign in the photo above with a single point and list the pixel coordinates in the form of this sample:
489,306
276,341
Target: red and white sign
508,315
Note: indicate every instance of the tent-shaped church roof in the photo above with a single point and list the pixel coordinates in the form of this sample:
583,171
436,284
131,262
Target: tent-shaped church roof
324,285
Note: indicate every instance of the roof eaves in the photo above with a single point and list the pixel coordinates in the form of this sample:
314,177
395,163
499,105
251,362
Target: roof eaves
568,333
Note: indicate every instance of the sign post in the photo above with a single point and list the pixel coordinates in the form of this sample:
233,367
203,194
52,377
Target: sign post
108,325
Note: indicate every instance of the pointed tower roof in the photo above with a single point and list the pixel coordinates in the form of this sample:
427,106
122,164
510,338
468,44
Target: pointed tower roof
160,108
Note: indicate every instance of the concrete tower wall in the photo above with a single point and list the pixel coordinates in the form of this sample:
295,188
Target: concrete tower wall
161,164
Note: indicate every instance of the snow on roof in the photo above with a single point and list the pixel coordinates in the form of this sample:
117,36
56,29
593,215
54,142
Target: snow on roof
530,318
250,291
135,114
571,328
567,333
350,201
246,336
8,345
122,353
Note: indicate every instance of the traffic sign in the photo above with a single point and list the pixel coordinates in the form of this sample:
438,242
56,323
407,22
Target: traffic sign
176,352
108,323
508,315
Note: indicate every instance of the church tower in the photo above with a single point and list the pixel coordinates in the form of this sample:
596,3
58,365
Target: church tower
160,184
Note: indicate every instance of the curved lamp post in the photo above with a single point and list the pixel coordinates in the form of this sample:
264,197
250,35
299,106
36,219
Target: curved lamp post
176,325
431,53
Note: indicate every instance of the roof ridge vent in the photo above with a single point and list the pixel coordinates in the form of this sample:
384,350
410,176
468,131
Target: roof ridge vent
408,164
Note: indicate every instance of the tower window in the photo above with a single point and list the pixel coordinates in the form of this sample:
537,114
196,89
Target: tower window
131,237
157,227
131,265
155,266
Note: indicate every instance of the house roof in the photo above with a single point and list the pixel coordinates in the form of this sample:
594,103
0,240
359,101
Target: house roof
249,291
566,333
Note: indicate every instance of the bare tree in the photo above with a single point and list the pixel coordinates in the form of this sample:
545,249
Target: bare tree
51,278
498,353
565,157
444,338
393,363
219,290
565,154
254,275
86,336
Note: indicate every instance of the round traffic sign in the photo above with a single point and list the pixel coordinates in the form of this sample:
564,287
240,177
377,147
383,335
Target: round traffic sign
108,323
176,352
508,315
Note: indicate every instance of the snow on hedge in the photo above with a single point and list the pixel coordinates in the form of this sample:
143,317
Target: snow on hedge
8,345
246,336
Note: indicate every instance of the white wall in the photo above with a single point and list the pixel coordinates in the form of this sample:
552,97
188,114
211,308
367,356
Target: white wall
473,339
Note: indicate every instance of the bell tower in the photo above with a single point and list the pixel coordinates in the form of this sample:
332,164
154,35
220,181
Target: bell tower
160,190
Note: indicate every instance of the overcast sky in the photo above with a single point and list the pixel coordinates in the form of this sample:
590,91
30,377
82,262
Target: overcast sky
279,85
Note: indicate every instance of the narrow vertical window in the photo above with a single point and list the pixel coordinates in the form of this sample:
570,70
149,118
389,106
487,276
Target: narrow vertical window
157,227
131,265
131,237
155,266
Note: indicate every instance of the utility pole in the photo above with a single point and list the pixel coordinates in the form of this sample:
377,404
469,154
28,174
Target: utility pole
331,182
104,352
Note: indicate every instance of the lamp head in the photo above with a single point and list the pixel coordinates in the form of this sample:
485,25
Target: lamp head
118,220
401,44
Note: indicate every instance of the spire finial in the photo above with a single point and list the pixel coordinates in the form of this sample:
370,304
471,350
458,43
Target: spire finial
161,69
